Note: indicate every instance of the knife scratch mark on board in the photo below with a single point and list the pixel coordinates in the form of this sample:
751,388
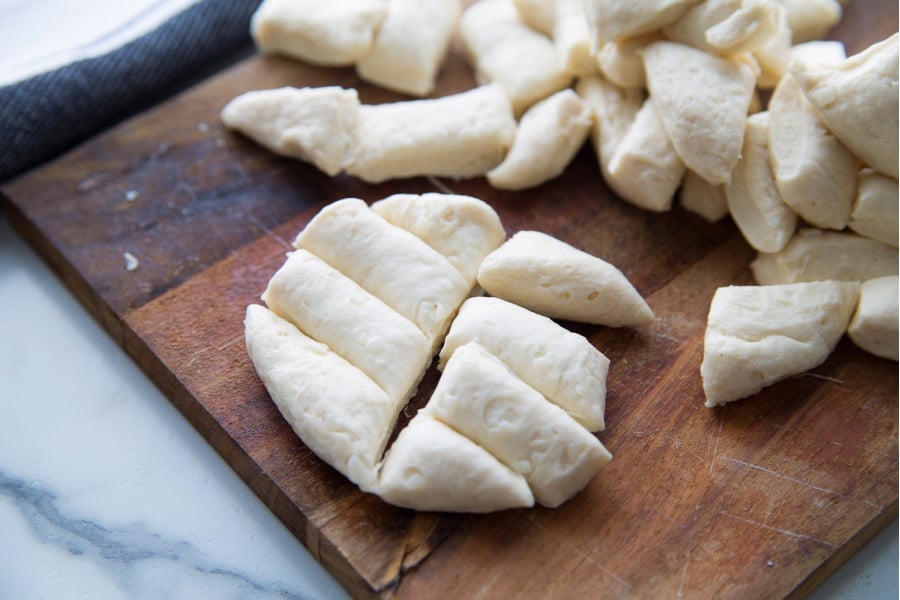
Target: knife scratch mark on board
799,481
220,348
440,185
687,556
715,449
585,557
268,232
787,532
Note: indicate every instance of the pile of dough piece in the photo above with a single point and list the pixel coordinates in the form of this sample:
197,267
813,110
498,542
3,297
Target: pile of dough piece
355,315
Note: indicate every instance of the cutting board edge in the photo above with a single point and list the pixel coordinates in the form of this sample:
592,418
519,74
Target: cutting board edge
847,551
275,499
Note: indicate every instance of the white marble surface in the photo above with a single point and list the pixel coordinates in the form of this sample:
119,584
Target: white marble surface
105,490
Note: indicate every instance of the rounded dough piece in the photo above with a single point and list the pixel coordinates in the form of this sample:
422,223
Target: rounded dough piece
432,467
410,45
552,278
563,366
874,325
331,308
857,99
816,255
317,125
462,228
336,33
765,221
547,138
481,398
875,212
340,413
760,334
389,262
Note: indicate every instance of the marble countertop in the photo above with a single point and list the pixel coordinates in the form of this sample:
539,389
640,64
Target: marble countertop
105,490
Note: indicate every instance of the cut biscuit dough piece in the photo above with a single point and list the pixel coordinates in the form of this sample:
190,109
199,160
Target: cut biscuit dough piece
432,467
703,101
336,33
811,19
703,198
458,136
614,109
815,173
875,210
332,309
389,262
339,412
563,366
774,53
410,45
765,221
572,37
645,169
549,135
481,398
550,277
816,255
317,125
462,228
857,99
874,325
613,20
725,26
503,49
622,63
758,335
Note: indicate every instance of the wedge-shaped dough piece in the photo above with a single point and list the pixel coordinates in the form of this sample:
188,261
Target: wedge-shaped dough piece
411,45
481,398
814,172
337,410
644,169
505,50
616,19
317,125
703,198
389,262
811,19
614,111
875,210
573,38
462,228
758,335
332,309
458,136
432,467
549,135
560,364
622,61
726,26
857,99
765,221
550,277
774,54
703,101
336,33
874,325
816,255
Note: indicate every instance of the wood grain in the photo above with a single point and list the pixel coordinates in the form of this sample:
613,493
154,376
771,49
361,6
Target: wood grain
762,498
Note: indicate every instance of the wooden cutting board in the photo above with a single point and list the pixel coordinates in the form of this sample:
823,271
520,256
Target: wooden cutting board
763,498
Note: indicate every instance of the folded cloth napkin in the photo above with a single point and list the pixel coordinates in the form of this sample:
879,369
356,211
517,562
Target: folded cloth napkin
45,115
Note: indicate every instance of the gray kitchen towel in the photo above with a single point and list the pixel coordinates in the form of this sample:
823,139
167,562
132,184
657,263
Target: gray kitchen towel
46,115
